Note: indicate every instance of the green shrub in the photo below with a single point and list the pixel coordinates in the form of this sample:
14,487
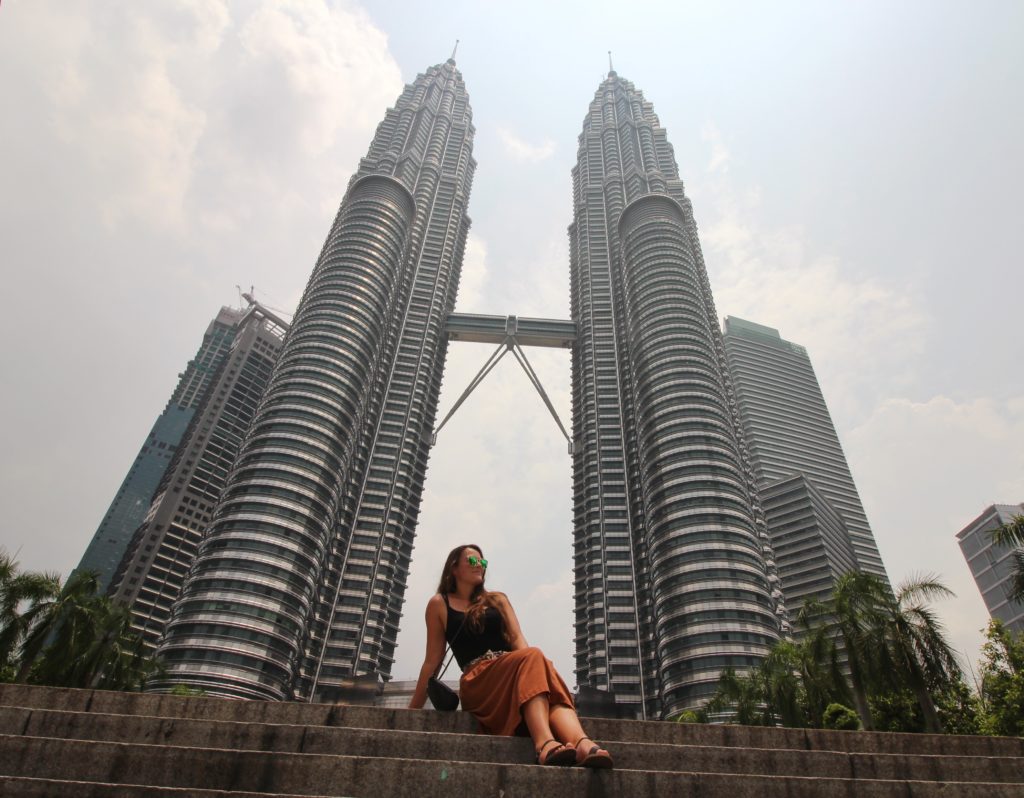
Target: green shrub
185,690
839,717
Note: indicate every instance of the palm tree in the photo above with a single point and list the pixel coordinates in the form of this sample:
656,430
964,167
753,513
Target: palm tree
894,641
116,657
742,696
1012,534
16,591
81,639
914,648
69,619
794,684
859,605
819,663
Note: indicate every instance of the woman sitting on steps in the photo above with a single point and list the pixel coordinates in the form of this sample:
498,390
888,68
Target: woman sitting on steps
505,683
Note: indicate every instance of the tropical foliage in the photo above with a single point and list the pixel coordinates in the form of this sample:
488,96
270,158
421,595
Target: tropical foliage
793,686
1002,682
22,596
879,654
66,635
837,716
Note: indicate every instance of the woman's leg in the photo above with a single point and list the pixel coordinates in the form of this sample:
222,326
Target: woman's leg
566,724
536,714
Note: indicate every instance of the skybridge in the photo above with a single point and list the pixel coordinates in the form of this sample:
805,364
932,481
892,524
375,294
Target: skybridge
511,334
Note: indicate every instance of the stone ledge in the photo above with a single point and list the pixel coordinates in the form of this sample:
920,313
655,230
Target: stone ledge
461,723
202,734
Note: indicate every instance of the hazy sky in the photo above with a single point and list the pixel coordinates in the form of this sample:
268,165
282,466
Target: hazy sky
855,170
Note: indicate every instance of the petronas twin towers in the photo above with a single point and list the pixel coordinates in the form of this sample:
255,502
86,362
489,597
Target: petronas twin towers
300,581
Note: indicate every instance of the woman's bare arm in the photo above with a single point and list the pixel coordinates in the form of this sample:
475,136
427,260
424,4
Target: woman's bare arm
436,617
515,633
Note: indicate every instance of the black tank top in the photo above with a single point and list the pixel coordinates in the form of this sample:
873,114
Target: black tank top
467,644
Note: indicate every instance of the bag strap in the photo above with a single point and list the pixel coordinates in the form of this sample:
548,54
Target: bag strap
465,616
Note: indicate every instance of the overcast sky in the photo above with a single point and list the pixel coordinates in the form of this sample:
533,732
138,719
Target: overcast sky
855,170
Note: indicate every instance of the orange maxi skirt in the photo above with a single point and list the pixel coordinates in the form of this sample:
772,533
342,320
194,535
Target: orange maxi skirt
495,690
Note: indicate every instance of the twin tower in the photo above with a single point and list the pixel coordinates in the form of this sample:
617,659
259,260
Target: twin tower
300,581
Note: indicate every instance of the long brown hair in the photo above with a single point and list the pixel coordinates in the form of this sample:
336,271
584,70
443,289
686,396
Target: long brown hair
479,600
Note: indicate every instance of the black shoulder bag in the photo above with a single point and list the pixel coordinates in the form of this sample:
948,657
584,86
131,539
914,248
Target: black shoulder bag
440,694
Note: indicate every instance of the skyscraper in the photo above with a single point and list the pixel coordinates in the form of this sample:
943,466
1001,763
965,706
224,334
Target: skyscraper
300,580
810,541
132,500
788,428
154,566
992,566
671,580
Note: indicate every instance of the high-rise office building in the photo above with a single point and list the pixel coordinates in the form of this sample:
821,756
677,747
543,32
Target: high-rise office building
671,580
132,500
789,430
810,541
299,583
992,565
162,549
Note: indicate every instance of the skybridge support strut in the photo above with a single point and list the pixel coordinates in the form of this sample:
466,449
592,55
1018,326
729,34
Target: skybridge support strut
510,333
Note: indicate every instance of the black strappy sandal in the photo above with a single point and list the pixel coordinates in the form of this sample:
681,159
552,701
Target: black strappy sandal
562,755
596,757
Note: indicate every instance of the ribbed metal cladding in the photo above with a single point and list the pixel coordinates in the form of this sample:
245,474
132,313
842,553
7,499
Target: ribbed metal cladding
426,142
671,580
300,584
239,625
700,531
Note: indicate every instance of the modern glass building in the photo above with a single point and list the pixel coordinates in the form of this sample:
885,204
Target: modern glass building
672,581
992,566
789,430
132,500
299,583
163,547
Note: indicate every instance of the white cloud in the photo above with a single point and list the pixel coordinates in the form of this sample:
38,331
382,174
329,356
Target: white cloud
520,149
133,129
331,58
474,274
925,470
863,335
179,148
720,155
535,283
148,96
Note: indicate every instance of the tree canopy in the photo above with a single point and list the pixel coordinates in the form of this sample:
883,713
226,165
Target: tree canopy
66,634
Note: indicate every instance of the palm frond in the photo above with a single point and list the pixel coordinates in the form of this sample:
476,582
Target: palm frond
1017,582
1010,534
922,586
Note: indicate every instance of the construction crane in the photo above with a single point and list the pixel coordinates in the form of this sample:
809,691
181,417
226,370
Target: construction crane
249,296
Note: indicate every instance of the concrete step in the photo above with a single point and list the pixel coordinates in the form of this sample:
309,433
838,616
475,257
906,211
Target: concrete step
18,787
67,762
62,742
268,712
357,742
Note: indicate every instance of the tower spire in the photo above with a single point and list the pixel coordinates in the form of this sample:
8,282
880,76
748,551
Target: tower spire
454,50
611,69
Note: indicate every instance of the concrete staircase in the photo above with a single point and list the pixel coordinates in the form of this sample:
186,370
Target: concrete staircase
85,743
